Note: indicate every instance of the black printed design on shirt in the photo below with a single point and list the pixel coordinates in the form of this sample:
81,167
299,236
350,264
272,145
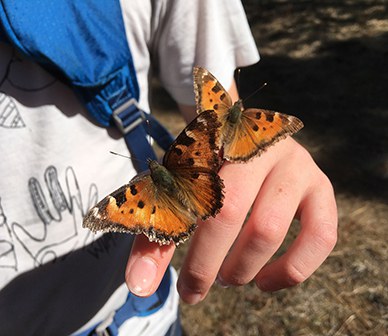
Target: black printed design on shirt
16,75
9,114
7,247
56,204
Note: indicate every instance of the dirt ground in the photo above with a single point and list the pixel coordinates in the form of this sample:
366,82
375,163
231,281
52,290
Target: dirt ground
327,63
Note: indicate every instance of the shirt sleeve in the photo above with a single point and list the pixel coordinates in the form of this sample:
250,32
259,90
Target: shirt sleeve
211,33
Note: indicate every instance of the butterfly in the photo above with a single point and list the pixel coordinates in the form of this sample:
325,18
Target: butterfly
165,202
245,133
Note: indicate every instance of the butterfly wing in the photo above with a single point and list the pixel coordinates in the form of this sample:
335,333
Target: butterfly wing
209,93
139,207
256,130
165,215
194,161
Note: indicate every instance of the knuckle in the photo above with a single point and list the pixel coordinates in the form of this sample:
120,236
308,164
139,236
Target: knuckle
324,182
301,151
268,230
231,212
299,154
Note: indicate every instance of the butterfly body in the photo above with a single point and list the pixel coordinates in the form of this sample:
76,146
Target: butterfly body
235,113
162,178
165,202
244,133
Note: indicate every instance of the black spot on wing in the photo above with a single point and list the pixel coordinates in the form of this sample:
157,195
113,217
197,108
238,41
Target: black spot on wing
133,190
140,204
269,116
212,141
196,124
120,196
216,89
194,175
178,151
184,139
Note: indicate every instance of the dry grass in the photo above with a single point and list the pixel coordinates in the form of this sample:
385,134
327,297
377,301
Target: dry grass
325,62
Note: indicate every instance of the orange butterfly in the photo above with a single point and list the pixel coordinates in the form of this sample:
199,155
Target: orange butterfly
245,133
165,203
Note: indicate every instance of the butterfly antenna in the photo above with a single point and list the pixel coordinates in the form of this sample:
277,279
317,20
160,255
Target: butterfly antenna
126,156
148,123
254,92
238,79
122,155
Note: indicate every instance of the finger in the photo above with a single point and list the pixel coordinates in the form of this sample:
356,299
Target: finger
317,238
146,265
269,221
214,237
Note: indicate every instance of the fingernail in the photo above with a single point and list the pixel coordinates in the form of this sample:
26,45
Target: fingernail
141,276
221,282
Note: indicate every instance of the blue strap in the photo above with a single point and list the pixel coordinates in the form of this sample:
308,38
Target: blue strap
84,42
135,125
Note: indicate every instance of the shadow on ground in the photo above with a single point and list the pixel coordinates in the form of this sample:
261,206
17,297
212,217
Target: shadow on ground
341,97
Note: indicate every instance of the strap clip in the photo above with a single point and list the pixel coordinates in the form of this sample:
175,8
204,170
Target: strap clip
128,116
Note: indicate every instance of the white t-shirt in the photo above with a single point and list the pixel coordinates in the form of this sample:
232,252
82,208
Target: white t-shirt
55,161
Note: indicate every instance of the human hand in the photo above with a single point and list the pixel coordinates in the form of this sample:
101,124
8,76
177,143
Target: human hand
281,184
